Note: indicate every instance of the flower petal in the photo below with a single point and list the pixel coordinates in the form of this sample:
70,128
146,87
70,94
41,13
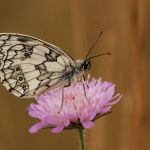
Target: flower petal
57,129
88,124
36,127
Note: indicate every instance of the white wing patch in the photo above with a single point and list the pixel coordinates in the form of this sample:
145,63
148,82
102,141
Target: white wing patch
29,66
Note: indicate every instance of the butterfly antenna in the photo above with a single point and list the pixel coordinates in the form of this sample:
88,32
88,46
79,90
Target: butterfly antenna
98,55
100,33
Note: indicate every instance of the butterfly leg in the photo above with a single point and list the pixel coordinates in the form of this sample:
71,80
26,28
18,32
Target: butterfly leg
84,87
62,98
63,95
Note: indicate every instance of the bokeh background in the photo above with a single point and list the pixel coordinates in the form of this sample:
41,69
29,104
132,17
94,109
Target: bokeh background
73,25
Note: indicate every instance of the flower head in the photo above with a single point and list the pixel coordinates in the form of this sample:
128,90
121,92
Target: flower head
81,106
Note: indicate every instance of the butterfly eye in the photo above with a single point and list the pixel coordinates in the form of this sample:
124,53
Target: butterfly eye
87,65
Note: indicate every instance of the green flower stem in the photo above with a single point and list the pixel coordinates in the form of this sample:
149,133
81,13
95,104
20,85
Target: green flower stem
80,129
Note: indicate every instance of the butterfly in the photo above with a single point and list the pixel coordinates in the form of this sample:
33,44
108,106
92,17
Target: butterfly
30,66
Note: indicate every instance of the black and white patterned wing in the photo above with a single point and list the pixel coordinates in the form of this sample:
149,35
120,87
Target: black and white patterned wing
29,66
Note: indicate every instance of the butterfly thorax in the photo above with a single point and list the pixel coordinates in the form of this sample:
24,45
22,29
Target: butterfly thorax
75,73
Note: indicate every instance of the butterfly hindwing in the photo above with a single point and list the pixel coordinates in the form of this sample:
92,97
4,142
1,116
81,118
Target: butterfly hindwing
29,66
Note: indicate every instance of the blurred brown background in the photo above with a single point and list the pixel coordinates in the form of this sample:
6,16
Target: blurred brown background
73,25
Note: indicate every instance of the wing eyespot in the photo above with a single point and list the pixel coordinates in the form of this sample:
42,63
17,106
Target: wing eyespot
25,87
27,54
20,78
18,68
28,48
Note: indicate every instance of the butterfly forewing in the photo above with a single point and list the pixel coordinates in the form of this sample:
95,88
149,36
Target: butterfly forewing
29,66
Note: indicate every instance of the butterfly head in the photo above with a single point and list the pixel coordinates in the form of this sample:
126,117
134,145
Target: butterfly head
83,65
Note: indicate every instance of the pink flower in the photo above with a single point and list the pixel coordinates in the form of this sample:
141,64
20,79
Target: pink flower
79,107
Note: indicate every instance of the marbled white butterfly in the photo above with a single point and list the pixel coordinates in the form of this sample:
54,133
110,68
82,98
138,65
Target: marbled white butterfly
29,66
